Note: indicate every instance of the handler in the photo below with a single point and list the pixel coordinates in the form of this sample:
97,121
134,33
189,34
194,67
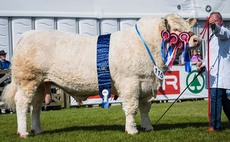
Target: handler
219,70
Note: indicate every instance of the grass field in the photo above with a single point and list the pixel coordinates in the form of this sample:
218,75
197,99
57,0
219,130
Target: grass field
186,121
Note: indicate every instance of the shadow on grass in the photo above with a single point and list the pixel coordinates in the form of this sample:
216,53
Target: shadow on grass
121,128
89,128
160,127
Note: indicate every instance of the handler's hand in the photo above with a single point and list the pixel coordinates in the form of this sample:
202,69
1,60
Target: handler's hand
212,23
201,68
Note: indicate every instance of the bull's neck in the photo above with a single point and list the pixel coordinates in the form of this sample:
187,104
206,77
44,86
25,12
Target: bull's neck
157,71
148,38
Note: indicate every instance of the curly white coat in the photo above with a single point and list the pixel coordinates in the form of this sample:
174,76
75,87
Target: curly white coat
69,61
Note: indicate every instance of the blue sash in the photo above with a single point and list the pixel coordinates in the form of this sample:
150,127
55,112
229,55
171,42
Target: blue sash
104,79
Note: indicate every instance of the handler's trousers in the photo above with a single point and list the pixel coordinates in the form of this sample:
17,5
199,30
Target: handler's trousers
218,99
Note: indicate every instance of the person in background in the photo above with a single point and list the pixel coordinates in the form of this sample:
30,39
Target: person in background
4,64
199,54
195,57
219,70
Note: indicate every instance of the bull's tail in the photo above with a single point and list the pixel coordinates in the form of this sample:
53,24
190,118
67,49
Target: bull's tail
8,95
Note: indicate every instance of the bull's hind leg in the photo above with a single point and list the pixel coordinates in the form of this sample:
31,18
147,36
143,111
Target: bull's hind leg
129,95
36,110
145,107
22,100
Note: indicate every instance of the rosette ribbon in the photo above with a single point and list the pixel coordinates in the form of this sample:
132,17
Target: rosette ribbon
173,46
165,38
184,37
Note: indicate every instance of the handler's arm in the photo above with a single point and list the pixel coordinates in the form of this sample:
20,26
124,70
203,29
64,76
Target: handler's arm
221,32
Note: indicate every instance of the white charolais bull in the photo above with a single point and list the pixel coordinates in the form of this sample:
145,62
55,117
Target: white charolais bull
69,61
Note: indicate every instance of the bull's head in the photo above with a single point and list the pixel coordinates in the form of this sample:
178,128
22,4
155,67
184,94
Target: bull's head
151,28
178,35
176,24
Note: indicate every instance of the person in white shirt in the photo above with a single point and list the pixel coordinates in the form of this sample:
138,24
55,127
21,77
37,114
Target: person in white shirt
219,57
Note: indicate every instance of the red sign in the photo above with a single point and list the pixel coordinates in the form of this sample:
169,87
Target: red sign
171,83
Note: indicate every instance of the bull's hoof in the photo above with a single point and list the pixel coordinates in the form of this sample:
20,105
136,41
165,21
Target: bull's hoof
25,136
33,132
147,129
133,132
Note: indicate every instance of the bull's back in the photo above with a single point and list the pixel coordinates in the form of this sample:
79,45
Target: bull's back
55,56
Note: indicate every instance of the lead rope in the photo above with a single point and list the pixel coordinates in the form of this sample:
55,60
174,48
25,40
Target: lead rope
206,28
176,99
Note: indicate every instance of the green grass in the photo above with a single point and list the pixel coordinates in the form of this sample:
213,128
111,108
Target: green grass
186,121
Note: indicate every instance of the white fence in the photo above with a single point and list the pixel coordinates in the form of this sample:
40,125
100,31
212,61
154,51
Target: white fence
96,17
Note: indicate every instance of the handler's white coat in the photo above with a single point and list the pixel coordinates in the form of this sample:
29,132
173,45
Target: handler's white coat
219,58
69,61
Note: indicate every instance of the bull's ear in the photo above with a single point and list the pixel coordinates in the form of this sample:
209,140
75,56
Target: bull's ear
191,22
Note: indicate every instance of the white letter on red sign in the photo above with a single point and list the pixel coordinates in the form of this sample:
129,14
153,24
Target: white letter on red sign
170,80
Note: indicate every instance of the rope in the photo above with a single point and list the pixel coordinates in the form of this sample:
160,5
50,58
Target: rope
206,28
177,98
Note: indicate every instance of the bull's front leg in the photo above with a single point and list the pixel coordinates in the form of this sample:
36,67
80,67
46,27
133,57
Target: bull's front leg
145,106
22,103
130,100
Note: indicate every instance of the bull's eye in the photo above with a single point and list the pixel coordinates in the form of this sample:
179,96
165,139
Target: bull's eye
191,33
176,30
